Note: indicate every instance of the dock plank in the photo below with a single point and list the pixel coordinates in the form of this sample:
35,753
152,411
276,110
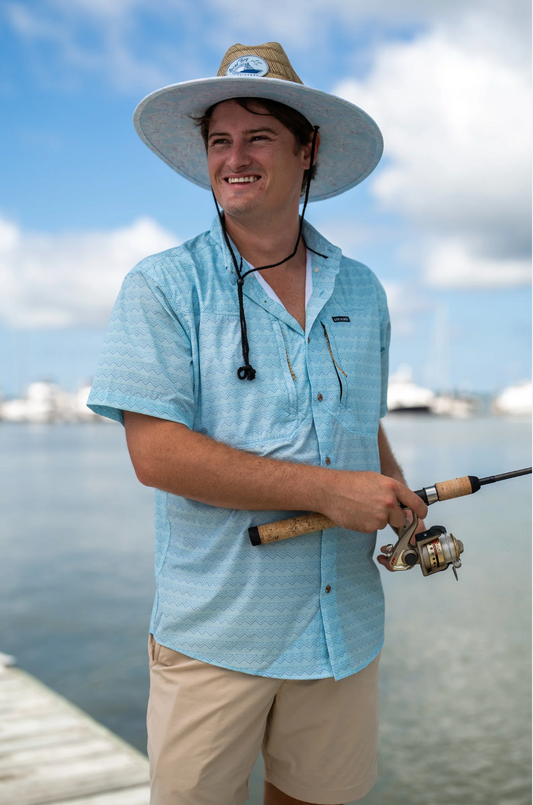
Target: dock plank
133,796
20,701
51,752
48,754
59,780
11,729
43,739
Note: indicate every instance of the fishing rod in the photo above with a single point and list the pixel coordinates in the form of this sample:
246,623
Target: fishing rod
433,549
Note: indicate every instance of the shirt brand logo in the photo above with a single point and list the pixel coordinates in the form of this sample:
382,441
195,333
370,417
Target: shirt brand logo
248,67
340,318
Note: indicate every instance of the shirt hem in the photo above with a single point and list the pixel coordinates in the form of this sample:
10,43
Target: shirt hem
265,672
115,410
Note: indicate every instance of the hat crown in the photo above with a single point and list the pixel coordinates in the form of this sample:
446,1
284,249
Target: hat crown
272,53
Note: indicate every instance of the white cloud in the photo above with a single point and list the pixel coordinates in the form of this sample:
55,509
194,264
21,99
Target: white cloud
70,279
350,235
101,9
139,44
94,37
305,21
450,264
406,303
456,125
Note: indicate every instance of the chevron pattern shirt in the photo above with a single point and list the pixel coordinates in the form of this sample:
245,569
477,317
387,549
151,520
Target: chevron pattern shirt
309,607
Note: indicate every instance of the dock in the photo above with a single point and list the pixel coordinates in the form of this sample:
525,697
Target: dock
52,753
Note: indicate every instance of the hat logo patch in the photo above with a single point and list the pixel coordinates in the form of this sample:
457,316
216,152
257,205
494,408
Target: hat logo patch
248,67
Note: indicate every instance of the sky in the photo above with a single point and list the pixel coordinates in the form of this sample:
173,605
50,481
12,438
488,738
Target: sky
444,221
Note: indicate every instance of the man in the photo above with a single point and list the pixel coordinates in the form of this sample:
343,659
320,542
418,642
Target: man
249,367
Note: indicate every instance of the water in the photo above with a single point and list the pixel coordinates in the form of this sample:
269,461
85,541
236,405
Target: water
76,588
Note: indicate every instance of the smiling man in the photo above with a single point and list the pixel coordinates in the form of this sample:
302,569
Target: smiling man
249,367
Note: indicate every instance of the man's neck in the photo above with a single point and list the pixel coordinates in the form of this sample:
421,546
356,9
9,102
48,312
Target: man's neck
267,245
264,243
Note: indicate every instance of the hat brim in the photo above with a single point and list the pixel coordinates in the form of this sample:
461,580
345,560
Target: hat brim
351,142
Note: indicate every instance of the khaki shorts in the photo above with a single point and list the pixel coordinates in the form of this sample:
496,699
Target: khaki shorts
206,726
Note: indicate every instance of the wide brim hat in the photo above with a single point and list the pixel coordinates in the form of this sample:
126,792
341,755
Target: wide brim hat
351,142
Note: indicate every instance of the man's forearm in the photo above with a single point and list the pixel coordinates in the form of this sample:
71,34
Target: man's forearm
389,464
173,458
169,456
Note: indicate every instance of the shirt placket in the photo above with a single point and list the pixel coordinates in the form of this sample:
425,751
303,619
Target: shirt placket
325,269
324,273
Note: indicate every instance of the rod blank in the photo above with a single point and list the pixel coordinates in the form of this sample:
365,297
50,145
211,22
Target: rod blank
492,479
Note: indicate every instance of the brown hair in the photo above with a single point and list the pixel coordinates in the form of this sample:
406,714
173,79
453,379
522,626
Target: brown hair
298,125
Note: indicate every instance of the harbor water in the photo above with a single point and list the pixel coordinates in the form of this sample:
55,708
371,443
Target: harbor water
76,587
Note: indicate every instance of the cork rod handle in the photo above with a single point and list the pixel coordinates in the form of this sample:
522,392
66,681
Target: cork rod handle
307,523
284,529
447,490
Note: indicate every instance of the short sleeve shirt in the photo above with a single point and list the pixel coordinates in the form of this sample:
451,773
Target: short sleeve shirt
308,607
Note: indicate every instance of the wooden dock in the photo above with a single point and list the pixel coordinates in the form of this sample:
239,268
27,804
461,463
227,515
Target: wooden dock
52,753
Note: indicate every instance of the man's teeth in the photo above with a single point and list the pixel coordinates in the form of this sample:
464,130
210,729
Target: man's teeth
242,179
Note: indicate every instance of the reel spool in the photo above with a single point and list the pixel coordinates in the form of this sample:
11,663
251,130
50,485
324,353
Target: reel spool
434,550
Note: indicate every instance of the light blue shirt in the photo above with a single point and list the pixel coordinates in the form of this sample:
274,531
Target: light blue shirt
309,607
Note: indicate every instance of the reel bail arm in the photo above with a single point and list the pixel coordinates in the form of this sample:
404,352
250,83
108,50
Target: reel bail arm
434,550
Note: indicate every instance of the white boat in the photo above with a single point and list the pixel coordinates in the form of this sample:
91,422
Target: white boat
47,403
404,396
516,400
44,402
451,405
79,406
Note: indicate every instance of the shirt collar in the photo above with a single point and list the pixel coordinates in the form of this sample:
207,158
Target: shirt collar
325,254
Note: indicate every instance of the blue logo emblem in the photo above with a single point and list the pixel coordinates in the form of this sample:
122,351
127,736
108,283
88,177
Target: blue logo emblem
248,67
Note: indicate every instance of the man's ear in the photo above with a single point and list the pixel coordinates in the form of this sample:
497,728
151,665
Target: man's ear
307,151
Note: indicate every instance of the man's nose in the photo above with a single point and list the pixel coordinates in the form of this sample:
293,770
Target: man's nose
238,156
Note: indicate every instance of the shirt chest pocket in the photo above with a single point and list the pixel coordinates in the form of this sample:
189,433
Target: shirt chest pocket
260,413
351,355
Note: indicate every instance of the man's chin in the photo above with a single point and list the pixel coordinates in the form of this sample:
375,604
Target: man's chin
238,208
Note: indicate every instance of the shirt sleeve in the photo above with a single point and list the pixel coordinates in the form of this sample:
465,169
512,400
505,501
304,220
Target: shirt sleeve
146,362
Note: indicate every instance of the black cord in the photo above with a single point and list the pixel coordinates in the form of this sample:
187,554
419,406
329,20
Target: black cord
247,371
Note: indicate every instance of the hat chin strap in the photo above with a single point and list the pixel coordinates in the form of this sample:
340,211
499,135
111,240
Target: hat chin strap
247,371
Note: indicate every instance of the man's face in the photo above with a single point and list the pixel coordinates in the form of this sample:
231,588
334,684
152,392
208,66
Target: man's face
252,162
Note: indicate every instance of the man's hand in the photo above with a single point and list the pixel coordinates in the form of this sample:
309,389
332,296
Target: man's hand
367,501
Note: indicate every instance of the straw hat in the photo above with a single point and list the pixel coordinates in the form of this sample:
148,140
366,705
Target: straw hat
351,143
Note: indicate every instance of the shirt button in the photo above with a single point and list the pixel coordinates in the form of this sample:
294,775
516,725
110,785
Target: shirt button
328,460
308,340
315,269
319,397
328,588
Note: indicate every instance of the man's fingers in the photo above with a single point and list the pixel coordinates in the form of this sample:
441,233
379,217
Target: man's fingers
385,562
397,518
413,502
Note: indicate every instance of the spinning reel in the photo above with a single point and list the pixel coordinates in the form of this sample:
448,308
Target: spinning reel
434,550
